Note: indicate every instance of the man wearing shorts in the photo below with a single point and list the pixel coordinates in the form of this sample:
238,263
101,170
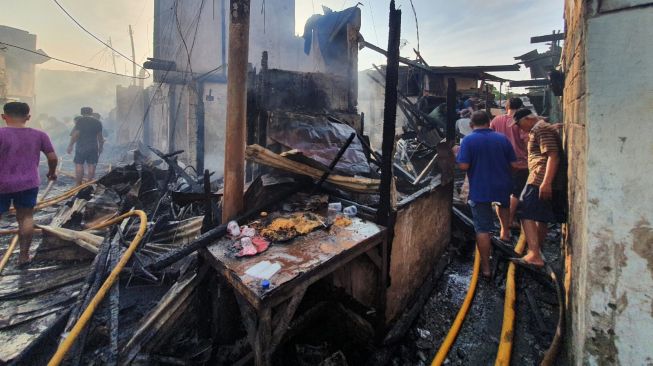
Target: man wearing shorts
20,151
518,138
88,141
488,158
543,199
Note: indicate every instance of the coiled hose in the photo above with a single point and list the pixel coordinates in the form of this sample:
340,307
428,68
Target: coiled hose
87,314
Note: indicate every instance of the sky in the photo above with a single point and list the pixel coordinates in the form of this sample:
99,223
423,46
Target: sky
452,33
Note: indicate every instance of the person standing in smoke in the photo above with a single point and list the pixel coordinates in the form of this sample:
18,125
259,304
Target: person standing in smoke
89,142
20,152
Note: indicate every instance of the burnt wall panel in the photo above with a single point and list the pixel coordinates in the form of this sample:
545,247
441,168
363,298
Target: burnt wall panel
309,92
422,233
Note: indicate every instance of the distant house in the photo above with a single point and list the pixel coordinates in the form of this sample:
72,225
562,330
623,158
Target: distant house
17,66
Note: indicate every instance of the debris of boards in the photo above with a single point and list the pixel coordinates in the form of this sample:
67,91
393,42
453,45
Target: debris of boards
161,320
261,155
86,240
14,286
32,302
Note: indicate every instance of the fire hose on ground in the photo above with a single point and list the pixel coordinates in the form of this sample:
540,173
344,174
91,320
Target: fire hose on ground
507,331
87,314
460,317
508,325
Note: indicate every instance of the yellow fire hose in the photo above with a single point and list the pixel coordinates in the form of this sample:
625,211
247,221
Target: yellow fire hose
458,322
68,342
507,329
64,196
7,255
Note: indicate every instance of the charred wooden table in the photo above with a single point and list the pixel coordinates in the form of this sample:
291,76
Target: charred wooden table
304,260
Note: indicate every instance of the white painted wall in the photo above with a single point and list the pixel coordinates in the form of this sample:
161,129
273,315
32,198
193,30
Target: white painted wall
618,268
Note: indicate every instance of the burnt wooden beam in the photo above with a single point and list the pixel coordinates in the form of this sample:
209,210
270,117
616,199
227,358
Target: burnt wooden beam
451,111
389,115
548,38
534,82
285,317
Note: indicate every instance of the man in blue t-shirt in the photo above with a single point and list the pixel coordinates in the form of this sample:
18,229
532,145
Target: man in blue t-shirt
488,158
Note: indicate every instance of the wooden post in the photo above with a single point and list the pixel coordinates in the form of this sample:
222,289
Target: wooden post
131,38
234,158
451,111
389,115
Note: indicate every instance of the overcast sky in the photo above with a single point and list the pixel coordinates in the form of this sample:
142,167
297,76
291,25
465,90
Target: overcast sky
462,32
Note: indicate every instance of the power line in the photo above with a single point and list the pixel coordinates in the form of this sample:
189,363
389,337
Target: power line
369,6
71,63
181,35
94,36
416,24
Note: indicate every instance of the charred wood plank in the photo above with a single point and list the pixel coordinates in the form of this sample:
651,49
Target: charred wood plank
168,308
389,116
451,111
285,317
114,307
264,156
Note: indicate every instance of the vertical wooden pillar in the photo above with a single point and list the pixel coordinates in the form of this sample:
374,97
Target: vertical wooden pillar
451,111
234,158
389,115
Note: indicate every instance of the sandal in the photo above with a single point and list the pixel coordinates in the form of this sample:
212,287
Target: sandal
523,263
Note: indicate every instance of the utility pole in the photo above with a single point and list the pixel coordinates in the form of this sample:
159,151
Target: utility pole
113,57
131,38
235,136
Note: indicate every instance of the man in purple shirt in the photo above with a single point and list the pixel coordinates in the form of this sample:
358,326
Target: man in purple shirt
20,151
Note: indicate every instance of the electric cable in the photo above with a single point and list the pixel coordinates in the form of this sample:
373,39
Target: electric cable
97,38
416,24
70,62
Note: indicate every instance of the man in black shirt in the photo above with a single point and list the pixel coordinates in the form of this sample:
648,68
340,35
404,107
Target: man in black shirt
88,141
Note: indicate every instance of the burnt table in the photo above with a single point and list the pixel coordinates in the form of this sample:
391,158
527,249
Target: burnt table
304,260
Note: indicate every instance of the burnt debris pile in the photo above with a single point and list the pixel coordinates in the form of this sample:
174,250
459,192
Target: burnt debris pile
82,241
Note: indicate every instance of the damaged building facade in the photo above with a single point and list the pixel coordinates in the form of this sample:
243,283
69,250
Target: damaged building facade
17,69
609,241
185,109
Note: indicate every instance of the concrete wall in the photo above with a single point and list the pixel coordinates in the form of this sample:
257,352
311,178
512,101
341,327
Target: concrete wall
609,244
202,24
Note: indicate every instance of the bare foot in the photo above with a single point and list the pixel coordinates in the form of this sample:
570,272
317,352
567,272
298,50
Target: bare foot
533,261
23,260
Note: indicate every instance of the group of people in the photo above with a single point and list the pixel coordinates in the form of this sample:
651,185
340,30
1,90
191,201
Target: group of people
514,162
20,153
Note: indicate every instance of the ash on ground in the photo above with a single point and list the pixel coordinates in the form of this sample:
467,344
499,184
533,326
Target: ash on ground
478,339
